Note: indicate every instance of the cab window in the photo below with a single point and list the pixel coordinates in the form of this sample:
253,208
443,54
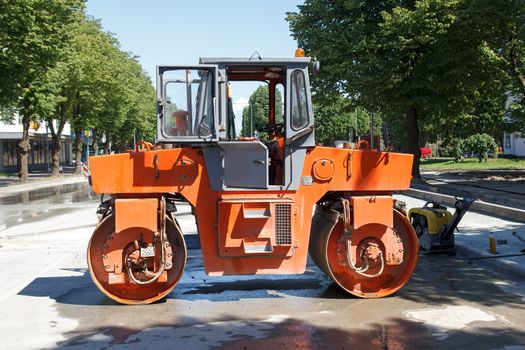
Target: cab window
299,105
189,103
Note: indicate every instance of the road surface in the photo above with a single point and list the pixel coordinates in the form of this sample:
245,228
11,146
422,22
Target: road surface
49,301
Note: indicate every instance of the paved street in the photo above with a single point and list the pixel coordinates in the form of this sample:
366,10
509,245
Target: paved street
48,300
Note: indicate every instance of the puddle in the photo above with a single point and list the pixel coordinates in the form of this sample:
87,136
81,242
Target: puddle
80,189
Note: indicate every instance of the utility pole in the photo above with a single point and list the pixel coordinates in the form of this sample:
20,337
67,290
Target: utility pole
87,135
47,149
371,130
251,121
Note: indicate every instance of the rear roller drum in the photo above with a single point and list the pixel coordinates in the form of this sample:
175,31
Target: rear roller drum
373,261
135,279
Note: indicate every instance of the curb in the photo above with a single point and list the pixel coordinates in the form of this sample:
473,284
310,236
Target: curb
501,211
500,265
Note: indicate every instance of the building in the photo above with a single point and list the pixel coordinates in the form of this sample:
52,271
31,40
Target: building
514,144
40,141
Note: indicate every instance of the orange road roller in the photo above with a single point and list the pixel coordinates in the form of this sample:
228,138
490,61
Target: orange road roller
262,201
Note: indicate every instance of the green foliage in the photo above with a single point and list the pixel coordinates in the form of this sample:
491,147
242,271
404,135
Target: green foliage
34,36
115,97
333,120
429,60
482,145
335,115
59,66
458,150
259,109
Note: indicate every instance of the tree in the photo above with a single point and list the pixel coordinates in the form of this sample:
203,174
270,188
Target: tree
482,145
335,115
113,96
33,35
258,110
412,58
508,43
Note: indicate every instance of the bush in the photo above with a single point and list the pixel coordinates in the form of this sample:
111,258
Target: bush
482,145
458,151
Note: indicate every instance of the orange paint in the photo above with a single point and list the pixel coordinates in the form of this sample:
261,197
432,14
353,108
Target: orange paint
183,171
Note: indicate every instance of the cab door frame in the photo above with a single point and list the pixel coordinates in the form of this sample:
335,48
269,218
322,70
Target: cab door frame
161,102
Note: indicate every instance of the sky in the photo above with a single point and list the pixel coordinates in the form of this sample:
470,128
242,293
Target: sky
176,32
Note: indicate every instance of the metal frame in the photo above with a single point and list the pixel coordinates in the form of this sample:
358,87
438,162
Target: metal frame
161,85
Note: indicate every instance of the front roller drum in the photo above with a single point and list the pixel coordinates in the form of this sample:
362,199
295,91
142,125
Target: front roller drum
385,274
126,291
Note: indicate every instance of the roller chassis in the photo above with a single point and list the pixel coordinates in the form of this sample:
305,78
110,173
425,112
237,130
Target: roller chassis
255,215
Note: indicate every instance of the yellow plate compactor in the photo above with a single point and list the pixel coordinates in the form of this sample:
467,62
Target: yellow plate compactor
435,225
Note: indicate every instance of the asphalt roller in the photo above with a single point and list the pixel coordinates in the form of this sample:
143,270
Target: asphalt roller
253,197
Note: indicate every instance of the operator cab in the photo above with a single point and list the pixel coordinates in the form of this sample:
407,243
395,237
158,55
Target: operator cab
195,108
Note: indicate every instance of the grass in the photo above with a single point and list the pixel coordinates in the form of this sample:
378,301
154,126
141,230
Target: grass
471,164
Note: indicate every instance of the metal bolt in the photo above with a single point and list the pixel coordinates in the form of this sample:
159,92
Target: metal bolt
106,247
106,266
401,250
104,256
398,241
170,255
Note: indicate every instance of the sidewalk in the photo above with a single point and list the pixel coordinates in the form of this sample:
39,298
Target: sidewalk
500,209
11,185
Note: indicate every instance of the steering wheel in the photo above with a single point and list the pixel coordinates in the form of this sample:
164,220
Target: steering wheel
277,128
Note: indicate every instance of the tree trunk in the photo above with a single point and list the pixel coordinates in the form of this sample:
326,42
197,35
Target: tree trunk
514,65
95,143
412,138
77,146
107,144
55,155
56,135
477,114
24,145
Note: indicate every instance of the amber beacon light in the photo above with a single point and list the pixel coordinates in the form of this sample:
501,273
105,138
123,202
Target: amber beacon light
299,52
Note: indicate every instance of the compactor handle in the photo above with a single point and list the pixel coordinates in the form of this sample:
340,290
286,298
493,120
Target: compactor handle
464,196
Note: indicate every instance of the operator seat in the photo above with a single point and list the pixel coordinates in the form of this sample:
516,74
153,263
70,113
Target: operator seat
181,123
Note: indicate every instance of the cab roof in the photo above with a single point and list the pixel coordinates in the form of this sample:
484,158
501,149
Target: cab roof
254,60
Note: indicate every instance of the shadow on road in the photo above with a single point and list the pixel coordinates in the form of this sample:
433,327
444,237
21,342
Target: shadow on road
438,280
445,280
281,332
197,314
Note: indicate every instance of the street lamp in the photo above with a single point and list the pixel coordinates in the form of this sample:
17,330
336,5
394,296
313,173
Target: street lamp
46,154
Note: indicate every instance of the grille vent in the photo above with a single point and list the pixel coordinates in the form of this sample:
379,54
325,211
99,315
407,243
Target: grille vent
283,229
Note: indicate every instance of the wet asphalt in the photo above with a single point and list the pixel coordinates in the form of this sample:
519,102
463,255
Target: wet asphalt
49,301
